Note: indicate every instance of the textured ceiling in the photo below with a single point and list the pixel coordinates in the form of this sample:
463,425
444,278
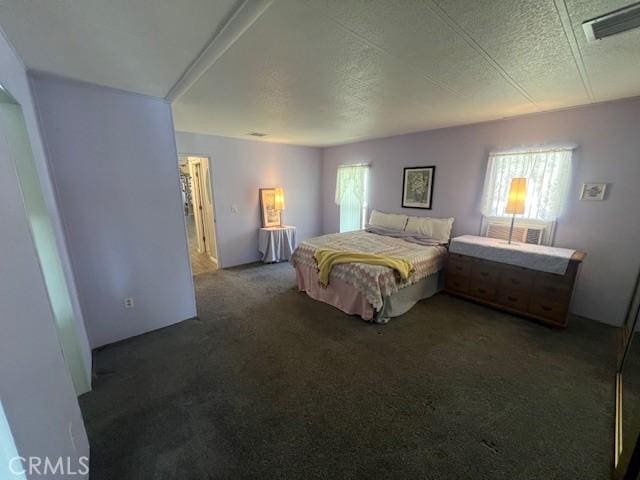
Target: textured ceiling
324,72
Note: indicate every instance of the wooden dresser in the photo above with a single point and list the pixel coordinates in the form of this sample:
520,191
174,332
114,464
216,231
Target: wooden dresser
542,296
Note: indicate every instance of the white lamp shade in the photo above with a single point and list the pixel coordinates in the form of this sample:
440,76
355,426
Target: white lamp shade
517,196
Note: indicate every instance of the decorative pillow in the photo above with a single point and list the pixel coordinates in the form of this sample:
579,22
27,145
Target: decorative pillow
436,228
388,220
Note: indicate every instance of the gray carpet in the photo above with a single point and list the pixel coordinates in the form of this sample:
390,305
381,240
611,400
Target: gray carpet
268,383
200,262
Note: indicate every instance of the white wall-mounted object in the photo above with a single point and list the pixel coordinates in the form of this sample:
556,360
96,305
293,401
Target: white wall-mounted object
612,23
593,191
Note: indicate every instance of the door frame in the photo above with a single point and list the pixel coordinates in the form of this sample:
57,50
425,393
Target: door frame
14,134
198,159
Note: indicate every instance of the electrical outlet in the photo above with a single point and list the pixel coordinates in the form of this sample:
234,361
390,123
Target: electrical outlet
128,303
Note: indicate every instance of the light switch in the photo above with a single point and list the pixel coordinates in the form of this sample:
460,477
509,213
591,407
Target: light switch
234,208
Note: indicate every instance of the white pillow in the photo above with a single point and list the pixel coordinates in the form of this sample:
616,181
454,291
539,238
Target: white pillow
387,220
436,228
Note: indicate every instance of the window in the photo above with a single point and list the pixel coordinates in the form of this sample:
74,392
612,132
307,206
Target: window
548,174
351,196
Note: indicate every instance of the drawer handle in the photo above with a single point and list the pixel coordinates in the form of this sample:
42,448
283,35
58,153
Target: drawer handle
546,309
515,282
482,290
458,267
512,299
484,274
456,284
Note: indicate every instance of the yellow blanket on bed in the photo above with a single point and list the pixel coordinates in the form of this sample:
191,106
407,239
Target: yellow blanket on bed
327,258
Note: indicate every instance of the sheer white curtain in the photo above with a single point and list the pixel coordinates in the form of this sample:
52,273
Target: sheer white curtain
351,196
547,172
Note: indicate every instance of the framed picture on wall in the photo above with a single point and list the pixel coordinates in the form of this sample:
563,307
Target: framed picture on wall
417,187
593,191
270,216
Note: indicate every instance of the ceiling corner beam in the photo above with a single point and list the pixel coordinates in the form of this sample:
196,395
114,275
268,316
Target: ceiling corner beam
567,27
241,20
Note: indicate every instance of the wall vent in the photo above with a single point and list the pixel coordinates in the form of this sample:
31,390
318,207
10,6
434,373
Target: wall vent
257,134
612,23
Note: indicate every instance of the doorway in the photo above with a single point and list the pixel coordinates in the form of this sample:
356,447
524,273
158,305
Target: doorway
199,211
16,148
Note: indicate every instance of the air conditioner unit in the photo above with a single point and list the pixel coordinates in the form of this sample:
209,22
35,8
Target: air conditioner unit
612,23
525,233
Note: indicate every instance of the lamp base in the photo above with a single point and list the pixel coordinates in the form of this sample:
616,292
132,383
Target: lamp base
513,219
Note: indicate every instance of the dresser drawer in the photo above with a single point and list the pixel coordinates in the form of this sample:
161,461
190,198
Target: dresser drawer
553,278
457,283
482,290
516,279
550,285
556,311
458,266
516,299
485,272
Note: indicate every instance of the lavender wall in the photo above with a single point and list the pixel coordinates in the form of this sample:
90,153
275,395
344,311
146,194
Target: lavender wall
113,161
238,169
608,150
36,392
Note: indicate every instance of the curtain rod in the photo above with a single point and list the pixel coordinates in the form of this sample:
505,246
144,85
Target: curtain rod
525,152
355,165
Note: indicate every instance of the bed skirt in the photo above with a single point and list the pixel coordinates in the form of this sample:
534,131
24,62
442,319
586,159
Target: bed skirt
347,298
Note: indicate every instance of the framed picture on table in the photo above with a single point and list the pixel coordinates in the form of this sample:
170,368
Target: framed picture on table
270,216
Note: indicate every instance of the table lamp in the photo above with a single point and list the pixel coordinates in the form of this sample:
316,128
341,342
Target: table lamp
515,202
279,201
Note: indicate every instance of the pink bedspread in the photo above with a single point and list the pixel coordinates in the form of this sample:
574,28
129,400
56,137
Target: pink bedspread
339,293
352,285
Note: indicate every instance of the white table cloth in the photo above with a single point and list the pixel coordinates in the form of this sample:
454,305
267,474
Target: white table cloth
535,257
276,243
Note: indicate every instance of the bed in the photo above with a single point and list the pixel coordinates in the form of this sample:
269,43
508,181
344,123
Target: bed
375,293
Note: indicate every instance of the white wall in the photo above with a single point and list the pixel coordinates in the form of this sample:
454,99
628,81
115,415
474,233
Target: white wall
13,77
239,168
35,388
112,157
608,139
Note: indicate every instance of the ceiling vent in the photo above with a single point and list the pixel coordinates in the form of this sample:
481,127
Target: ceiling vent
257,134
612,23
